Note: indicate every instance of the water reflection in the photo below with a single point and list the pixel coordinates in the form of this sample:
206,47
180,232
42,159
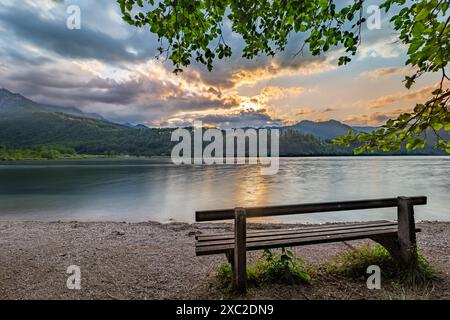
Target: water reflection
142,190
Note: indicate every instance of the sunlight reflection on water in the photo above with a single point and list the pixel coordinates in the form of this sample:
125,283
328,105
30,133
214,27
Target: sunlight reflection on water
141,190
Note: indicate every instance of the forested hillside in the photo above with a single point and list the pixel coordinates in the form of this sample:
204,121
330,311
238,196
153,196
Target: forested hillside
28,128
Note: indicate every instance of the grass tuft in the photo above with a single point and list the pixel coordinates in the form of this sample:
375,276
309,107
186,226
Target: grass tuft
354,263
273,267
400,291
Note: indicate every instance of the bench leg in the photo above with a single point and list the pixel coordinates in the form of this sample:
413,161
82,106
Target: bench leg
240,250
230,258
406,232
402,247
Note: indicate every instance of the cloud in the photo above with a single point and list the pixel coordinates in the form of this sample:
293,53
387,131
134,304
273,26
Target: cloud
149,97
236,119
276,92
304,111
53,36
237,71
420,94
385,48
375,118
380,43
312,114
108,67
383,72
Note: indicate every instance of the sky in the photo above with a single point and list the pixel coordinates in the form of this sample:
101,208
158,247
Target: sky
109,67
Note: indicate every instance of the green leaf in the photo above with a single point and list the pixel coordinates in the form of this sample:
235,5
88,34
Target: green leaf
437,126
422,15
447,126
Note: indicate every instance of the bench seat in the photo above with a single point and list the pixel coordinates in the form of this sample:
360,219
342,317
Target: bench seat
220,243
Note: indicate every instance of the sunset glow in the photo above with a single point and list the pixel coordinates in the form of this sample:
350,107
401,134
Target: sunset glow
113,72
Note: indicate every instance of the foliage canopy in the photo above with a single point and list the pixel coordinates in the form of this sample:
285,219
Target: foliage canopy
192,30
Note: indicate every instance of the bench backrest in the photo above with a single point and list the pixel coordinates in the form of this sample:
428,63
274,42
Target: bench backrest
254,212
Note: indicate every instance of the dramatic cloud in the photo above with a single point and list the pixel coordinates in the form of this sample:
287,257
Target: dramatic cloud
144,97
52,36
237,71
108,67
244,118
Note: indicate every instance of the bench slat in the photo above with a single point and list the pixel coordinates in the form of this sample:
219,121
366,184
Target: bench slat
266,232
217,249
297,235
212,215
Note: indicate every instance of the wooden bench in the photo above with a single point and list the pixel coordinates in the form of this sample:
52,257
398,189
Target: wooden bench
399,238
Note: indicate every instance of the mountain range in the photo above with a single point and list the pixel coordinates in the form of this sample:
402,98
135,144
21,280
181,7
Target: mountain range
25,123
14,103
327,130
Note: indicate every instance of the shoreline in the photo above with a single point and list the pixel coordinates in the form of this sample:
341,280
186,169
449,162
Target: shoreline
152,260
220,224
133,157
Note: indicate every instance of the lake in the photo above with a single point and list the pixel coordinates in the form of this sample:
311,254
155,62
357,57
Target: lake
157,190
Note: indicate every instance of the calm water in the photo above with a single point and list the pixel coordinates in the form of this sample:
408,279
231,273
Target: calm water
140,190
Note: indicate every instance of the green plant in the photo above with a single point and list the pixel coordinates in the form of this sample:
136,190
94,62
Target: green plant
420,274
355,262
225,276
272,267
282,267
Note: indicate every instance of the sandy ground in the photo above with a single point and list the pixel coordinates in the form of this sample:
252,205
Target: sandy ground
157,261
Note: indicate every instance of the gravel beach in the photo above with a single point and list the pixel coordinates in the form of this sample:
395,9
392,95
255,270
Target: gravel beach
157,261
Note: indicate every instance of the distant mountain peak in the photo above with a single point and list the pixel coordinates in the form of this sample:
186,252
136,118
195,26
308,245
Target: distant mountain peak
15,102
135,125
330,121
329,129
4,91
